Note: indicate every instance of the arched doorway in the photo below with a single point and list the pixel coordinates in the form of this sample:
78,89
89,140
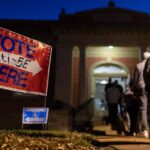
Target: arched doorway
100,75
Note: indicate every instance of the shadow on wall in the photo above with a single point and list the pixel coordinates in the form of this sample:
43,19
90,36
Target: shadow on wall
64,116
11,107
61,115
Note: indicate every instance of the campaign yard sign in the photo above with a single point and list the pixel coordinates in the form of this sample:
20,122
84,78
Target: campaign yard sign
35,115
24,63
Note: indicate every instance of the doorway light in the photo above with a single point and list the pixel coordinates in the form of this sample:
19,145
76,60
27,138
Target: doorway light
104,82
110,47
122,71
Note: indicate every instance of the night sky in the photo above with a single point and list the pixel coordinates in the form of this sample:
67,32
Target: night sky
50,9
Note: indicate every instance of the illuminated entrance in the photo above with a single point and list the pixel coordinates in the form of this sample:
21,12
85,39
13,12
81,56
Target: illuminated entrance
101,74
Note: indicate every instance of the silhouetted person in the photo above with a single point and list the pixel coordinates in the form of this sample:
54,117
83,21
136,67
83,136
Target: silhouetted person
108,85
131,108
113,97
146,75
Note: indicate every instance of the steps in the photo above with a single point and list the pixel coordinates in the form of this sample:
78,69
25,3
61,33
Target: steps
105,128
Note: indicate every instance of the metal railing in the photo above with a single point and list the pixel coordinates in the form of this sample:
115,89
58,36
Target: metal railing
83,114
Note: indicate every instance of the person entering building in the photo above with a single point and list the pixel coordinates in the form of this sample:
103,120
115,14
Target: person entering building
113,93
140,93
131,108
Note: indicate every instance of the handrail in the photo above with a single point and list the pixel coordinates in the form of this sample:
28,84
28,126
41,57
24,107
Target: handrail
83,115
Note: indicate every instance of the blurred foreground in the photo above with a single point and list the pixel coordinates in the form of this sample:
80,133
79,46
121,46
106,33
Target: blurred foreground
64,140
46,140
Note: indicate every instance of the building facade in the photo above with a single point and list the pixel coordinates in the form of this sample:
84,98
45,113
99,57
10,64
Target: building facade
88,47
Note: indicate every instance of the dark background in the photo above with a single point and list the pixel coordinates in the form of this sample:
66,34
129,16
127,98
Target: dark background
50,9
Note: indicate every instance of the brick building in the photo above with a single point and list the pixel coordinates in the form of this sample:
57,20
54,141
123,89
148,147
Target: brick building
88,47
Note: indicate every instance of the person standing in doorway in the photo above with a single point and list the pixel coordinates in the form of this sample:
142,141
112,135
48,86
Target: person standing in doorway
113,97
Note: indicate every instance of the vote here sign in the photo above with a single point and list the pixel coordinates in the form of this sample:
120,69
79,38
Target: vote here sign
24,63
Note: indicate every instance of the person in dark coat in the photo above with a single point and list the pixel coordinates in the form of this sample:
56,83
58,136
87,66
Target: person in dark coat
113,95
131,108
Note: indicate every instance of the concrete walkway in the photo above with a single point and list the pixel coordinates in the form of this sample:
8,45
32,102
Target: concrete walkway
107,137
125,142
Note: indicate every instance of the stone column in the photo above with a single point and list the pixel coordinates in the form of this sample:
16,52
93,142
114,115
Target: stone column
63,89
82,74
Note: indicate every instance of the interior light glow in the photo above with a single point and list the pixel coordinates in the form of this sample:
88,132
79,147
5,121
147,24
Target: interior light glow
104,82
110,47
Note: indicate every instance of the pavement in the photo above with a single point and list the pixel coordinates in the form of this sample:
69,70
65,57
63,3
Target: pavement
108,138
124,142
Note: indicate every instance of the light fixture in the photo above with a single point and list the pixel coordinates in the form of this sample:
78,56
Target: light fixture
122,71
110,47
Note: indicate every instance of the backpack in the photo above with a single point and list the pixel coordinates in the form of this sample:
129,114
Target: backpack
146,74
